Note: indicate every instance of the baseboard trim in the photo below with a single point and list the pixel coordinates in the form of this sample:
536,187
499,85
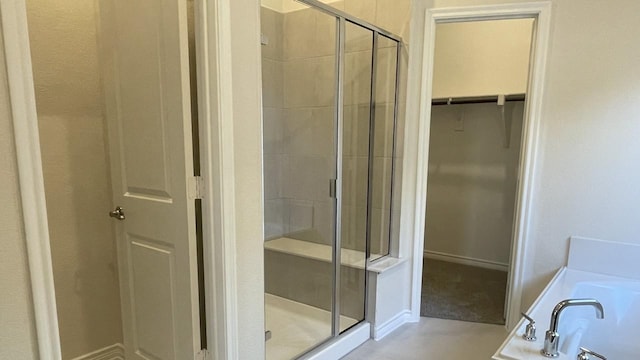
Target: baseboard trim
390,325
112,352
465,260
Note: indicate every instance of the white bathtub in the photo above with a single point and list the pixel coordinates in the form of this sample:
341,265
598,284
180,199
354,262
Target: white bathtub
617,336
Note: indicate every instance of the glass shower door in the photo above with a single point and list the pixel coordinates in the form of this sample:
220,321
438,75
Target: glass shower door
299,122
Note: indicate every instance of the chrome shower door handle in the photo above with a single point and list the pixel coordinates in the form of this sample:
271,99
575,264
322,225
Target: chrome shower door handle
118,213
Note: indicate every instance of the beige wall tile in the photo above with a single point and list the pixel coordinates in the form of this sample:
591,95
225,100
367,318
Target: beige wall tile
274,218
356,130
363,9
386,75
273,127
354,223
300,215
354,182
308,118
323,221
299,80
299,279
394,16
383,141
325,34
323,140
381,195
379,231
273,176
307,178
297,130
271,23
321,177
309,82
299,34
352,284
357,38
272,83
325,81
357,78
310,282
337,4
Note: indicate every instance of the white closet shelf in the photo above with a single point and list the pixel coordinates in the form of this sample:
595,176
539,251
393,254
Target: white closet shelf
352,258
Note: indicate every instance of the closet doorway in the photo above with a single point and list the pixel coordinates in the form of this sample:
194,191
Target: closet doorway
480,80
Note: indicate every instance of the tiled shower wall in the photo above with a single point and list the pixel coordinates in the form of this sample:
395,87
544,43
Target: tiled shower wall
299,88
298,95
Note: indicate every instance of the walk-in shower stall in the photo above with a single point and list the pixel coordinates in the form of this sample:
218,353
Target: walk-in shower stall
330,97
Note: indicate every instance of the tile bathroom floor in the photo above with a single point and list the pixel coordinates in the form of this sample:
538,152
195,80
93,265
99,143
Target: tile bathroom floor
435,339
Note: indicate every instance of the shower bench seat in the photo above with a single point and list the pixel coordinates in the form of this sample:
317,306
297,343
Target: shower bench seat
351,258
302,271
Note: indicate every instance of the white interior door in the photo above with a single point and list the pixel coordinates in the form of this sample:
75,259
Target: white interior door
145,57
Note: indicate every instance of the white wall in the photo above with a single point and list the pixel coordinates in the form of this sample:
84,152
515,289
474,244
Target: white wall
586,179
472,182
69,100
482,58
17,329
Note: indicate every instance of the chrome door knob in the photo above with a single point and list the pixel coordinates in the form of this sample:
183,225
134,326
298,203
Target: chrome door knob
118,213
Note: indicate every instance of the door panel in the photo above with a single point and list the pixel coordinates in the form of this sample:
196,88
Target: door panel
142,67
145,59
152,283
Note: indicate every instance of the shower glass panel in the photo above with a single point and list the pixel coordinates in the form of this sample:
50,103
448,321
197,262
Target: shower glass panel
299,121
329,128
357,80
383,145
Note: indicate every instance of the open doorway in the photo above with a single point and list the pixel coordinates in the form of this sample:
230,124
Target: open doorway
480,80
115,97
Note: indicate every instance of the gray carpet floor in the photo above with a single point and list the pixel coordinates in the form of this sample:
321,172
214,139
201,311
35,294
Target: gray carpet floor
462,292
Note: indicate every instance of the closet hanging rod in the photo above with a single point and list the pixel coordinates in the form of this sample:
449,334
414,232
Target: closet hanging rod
476,99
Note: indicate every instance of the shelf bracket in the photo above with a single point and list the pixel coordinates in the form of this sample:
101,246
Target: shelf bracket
506,121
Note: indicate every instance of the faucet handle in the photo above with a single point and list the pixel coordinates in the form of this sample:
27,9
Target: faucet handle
584,354
530,331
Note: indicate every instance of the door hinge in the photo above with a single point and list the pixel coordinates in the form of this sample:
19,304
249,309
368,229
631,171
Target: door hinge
202,355
196,187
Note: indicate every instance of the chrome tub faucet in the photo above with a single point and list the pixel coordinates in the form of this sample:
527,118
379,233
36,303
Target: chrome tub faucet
552,338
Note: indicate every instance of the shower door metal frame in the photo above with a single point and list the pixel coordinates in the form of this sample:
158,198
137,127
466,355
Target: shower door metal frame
337,239
341,20
343,15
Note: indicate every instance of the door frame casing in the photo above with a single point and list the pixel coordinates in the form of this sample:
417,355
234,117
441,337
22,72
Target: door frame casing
215,99
417,132
27,142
